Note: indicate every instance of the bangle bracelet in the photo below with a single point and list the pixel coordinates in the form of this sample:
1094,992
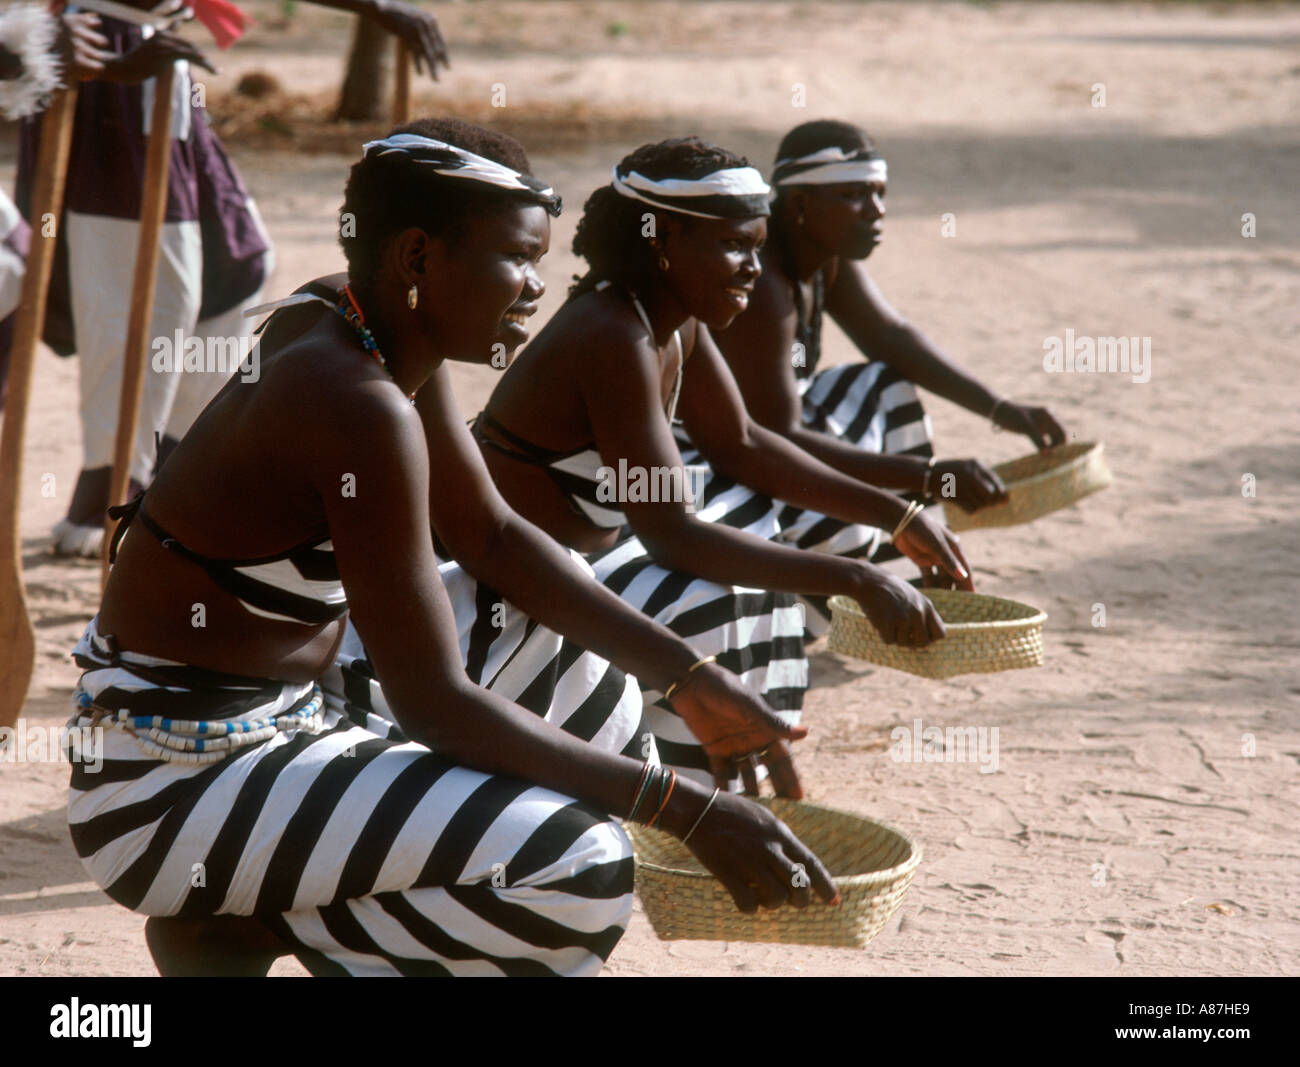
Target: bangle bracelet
663,797
694,667
642,786
671,779
993,412
913,510
929,469
702,814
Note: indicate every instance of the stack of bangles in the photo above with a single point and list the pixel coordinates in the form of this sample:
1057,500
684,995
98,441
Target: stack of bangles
666,782
913,510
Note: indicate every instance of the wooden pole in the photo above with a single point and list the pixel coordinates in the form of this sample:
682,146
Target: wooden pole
153,207
17,638
401,84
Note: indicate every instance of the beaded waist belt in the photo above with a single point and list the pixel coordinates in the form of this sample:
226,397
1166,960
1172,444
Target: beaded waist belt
197,741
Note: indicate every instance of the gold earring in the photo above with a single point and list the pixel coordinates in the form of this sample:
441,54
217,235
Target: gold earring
663,261
412,297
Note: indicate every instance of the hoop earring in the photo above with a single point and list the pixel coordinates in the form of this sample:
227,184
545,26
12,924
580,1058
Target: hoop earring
663,261
412,297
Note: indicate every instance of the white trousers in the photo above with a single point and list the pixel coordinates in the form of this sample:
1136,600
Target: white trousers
12,267
101,267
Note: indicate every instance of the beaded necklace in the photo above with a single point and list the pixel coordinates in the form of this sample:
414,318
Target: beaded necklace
350,312
808,328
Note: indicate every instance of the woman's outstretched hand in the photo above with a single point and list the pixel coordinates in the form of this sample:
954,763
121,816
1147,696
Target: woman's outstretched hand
1038,424
967,483
900,614
757,858
934,547
736,730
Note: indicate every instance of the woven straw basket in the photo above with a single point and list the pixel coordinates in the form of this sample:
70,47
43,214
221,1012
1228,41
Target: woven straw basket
985,634
1039,484
872,865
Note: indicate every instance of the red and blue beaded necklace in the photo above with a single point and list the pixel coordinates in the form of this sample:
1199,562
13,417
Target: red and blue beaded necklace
350,311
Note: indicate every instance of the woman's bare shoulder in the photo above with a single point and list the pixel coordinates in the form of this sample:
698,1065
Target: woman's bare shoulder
319,395
604,321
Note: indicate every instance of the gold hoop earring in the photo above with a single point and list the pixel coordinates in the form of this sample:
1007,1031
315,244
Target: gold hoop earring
663,262
412,297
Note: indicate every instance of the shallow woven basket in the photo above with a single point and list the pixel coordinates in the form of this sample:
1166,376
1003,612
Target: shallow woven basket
1039,484
985,634
872,864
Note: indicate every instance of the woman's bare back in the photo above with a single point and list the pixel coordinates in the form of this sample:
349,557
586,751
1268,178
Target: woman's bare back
238,488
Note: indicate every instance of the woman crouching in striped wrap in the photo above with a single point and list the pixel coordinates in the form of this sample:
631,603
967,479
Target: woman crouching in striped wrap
252,815
578,436
865,419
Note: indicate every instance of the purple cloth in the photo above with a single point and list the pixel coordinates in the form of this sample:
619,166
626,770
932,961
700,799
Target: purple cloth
106,178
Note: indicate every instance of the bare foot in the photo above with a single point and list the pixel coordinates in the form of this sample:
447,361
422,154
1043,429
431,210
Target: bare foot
222,946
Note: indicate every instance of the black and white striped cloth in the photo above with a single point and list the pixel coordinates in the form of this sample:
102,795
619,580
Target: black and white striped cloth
451,161
832,165
518,659
756,634
873,407
368,853
730,193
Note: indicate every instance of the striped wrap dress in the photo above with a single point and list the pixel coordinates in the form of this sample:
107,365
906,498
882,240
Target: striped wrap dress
305,805
754,633
869,405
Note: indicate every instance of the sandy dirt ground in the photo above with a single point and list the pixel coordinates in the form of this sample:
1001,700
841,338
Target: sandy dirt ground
1142,819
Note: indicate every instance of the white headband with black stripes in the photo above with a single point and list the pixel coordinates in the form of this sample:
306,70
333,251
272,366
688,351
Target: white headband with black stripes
830,166
453,162
736,193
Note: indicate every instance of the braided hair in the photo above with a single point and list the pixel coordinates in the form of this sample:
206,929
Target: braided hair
387,194
612,235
